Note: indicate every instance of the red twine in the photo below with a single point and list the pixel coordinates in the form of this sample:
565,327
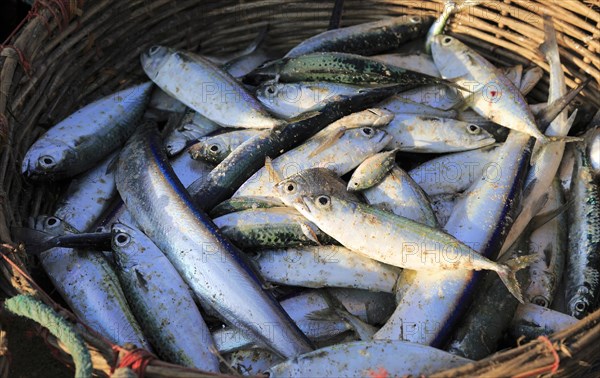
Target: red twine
552,368
62,11
136,359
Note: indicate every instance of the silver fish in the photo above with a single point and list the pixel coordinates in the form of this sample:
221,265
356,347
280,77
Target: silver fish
385,357
371,171
87,136
161,301
90,287
193,126
583,256
205,88
214,149
325,266
415,62
165,212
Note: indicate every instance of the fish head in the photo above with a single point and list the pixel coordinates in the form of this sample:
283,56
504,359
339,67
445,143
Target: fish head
463,135
581,303
312,181
47,159
128,245
211,149
367,140
447,53
153,59
52,225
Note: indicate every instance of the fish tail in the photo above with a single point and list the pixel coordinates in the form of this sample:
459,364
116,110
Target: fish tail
507,274
545,140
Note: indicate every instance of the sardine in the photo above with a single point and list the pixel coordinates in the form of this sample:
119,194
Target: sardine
205,88
583,256
78,142
371,171
193,126
161,301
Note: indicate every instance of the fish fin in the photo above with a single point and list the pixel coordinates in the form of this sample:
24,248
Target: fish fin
141,280
550,112
508,276
112,165
541,219
541,143
36,241
550,46
258,40
274,176
514,74
335,135
527,190
310,232
328,314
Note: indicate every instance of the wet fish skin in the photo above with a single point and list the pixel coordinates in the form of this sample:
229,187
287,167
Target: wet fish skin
290,100
398,357
378,234
78,142
426,134
550,242
583,257
276,227
244,203
371,171
90,287
197,249
415,62
161,301
202,89
401,195
365,39
325,266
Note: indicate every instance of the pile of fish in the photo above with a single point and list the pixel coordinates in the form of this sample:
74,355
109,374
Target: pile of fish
331,212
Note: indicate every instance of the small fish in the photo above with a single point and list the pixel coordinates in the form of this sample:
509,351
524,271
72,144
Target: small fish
339,147
366,39
533,321
161,301
493,95
214,149
425,134
392,239
78,142
205,88
401,195
583,256
415,62
242,203
371,171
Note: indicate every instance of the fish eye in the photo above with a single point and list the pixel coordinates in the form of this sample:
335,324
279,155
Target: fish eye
214,148
100,229
540,301
415,19
367,131
271,90
323,201
153,50
47,161
580,306
122,239
290,188
446,40
52,222
473,129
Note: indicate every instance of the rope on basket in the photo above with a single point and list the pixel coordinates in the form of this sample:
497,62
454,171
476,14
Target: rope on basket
551,369
29,307
136,359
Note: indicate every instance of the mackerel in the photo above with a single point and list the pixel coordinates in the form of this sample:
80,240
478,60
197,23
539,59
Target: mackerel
214,149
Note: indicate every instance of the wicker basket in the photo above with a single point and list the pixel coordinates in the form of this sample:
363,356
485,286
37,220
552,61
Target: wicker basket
70,52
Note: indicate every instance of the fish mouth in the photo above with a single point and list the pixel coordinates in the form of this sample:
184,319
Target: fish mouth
301,202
